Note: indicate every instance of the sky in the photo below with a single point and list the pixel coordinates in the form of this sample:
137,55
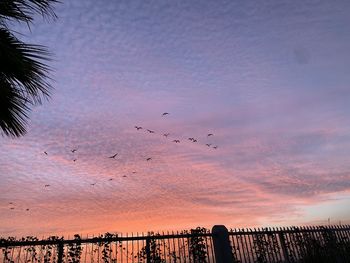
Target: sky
269,79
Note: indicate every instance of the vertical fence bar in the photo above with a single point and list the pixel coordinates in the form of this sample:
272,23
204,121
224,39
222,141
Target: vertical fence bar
210,242
121,251
188,249
126,249
278,251
169,247
250,256
239,245
207,249
182,259
86,249
148,249
274,247
251,245
173,254
282,241
60,252
266,245
341,241
183,249
244,253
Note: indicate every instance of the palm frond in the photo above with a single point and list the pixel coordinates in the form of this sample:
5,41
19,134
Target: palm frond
23,81
23,10
22,65
23,74
13,110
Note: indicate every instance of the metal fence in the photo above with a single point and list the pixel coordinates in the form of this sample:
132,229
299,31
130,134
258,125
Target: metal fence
292,244
186,246
304,244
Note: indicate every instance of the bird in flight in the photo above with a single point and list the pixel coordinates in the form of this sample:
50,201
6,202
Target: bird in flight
166,135
110,179
134,172
165,113
27,209
75,160
176,141
138,127
45,153
208,144
74,150
194,140
46,185
215,147
124,176
113,156
150,131
93,184
10,203
12,208
148,159
210,134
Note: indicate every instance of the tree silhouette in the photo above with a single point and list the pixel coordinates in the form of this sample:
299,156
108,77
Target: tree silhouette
24,80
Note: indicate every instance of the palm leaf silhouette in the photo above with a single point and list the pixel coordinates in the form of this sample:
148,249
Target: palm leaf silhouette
24,76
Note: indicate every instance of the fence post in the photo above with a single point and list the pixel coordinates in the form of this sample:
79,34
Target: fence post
222,246
60,252
148,249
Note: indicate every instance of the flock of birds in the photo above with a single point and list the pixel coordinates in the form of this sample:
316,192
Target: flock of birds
177,140
114,156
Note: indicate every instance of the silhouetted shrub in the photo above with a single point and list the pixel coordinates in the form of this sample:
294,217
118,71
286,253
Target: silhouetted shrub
152,252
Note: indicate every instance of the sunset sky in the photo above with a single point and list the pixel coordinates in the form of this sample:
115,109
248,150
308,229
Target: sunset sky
270,80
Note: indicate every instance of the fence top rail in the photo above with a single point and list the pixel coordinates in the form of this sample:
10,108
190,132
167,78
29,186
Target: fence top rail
116,238
288,230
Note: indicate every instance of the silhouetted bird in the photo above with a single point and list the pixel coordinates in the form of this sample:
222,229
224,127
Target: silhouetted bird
74,150
134,172
191,139
176,141
45,153
12,208
138,127
75,160
208,144
46,185
165,113
113,156
110,179
166,135
10,203
27,209
150,131
210,134
124,176
194,140
215,147
148,159
93,184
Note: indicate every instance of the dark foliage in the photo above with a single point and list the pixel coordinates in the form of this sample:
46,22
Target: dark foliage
74,250
198,245
24,76
152,251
